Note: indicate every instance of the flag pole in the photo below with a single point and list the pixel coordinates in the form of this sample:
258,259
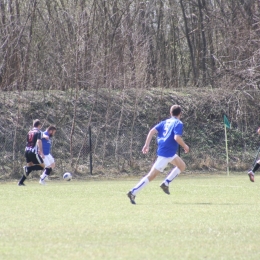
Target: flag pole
226,149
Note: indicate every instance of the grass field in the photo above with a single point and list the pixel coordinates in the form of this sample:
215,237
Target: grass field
210,217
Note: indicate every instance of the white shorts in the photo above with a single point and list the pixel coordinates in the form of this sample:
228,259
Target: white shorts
48,160
161,162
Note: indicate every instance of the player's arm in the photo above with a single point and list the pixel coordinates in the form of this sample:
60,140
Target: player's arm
149,137
180,141
39,144
45,136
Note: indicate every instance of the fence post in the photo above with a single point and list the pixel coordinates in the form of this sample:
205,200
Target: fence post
90,150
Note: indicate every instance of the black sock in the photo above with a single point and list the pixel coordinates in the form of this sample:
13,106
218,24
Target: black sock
22,179
29,169
48,171
256,167
34,168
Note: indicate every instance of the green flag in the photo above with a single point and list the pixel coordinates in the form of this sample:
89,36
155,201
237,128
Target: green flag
226,122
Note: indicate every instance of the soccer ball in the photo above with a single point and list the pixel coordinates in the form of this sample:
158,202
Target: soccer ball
67,176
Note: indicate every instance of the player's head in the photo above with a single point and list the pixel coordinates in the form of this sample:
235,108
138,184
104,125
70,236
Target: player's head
175,110
37,123
51,130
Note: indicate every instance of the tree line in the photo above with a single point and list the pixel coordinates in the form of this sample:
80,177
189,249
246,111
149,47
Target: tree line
82,44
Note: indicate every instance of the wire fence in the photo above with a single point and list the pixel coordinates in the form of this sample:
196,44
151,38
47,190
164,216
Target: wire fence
101,150
87,143
98,150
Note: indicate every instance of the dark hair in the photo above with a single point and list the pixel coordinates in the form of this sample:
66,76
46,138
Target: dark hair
175,110
36,123
51,127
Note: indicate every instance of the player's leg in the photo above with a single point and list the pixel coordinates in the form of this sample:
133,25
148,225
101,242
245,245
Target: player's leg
52,165
29,162
49,165
47,171
45,174
25,173
251,173
52,162
145,180
256,167
137,188
34,163
158,167
179,167
37,163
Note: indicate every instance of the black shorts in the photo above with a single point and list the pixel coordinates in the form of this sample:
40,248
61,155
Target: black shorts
35,158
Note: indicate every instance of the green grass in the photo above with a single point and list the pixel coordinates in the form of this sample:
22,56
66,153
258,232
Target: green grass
210,217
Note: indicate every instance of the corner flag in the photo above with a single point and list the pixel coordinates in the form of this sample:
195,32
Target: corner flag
226,122
227,125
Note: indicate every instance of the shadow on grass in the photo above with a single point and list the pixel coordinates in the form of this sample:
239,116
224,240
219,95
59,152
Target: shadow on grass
213,204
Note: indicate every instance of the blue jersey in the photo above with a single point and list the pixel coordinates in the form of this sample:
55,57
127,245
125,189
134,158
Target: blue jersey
167,146
46,144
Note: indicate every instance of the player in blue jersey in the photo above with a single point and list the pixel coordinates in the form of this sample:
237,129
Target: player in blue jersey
48,159
33,151
169,137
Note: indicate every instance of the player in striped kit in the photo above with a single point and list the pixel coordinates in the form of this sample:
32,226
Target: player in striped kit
33,151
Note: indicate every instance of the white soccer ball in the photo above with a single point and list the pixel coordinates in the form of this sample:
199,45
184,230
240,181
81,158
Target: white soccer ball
67,176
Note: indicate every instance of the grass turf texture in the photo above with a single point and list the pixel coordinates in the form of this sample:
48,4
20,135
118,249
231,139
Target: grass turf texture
210,217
